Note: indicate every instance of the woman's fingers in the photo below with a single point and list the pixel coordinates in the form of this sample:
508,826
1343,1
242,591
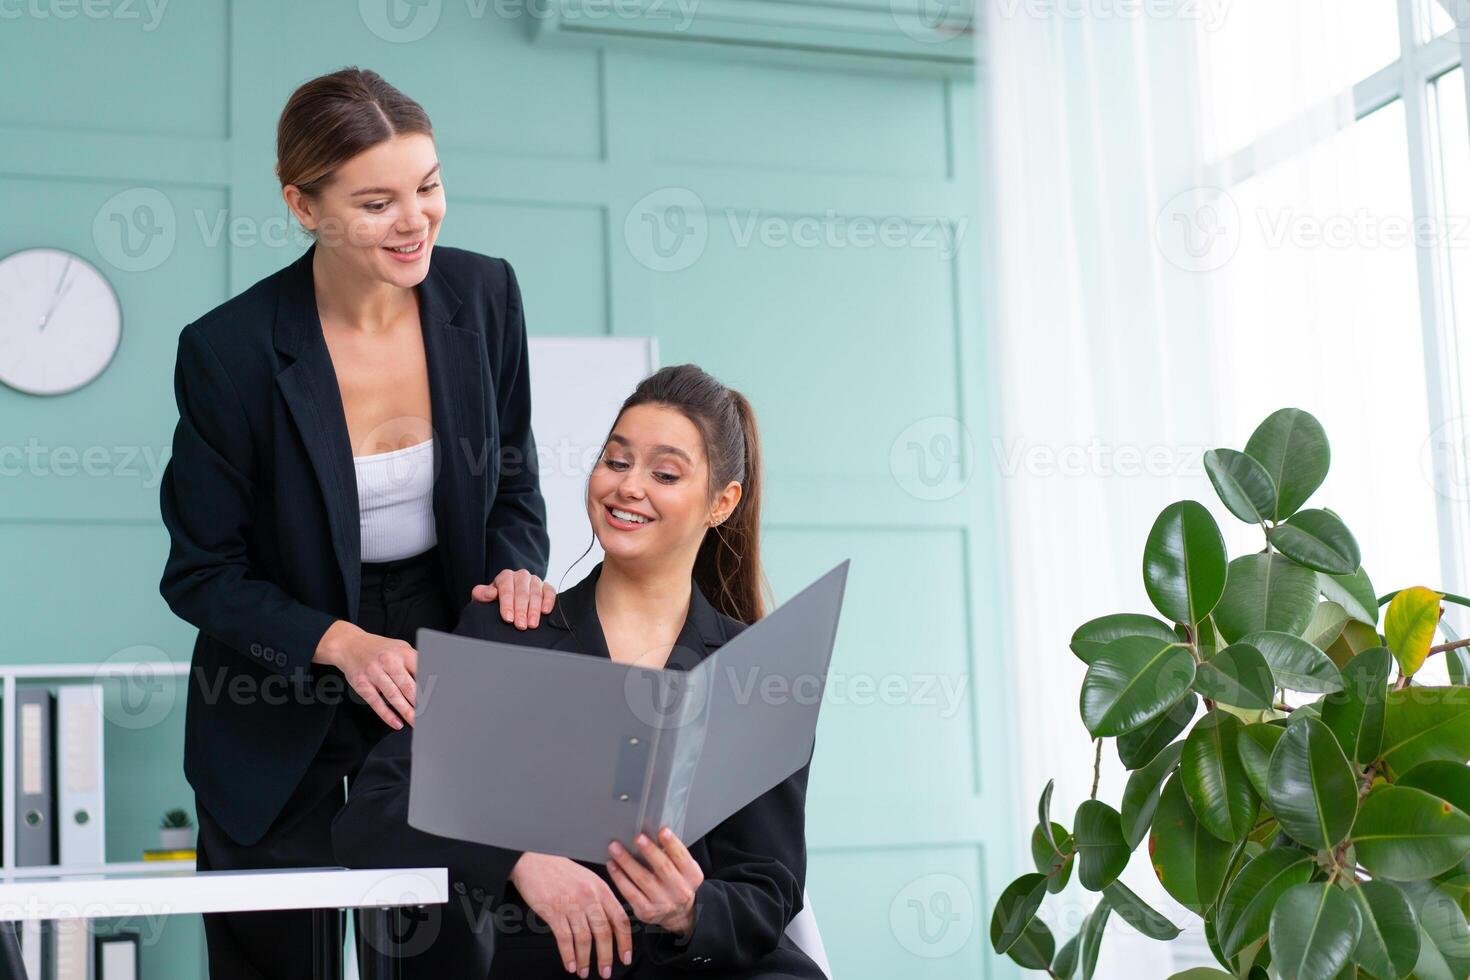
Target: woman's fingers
561,928
621,927
534,600
581,939
548,597
642,907
688,868
484,593
602,936
380,707
394,696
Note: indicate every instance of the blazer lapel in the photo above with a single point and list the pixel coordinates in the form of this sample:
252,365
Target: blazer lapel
309,387
575,613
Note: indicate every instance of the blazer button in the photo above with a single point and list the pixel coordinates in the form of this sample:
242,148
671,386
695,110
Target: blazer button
255,649
280,659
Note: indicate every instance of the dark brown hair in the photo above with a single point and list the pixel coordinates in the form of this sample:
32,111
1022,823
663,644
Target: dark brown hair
728,566
334,117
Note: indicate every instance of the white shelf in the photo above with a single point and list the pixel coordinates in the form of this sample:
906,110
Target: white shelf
10,675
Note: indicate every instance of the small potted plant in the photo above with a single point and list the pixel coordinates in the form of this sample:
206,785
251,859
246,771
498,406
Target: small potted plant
176,832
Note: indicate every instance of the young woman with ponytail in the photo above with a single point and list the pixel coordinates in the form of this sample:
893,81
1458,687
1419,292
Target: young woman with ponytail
674,500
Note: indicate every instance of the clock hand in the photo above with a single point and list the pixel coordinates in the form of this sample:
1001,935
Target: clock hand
60,292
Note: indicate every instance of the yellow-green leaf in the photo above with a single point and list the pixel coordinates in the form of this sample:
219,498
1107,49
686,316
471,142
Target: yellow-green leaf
1409,626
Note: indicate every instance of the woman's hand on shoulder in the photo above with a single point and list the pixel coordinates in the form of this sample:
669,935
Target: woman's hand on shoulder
578,906
524,598
379,668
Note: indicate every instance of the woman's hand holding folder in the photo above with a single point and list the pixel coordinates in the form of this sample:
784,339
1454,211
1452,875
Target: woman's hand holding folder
662,887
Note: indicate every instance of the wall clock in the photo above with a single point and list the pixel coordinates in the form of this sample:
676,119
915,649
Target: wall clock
60,322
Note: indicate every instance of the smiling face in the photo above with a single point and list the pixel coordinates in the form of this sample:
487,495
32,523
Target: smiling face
649,495
388,195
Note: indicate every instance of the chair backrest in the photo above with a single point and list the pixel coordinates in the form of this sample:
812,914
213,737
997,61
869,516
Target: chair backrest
803,932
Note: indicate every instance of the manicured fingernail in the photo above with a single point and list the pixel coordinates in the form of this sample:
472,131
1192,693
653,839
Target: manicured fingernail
571,967
582,973
666,833
642,840
627,957
606,972
613,848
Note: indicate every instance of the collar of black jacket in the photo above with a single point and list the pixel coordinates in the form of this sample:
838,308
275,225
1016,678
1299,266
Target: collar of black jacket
297,326
575,611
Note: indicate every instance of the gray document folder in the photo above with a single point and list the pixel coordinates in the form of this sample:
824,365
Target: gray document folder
560,753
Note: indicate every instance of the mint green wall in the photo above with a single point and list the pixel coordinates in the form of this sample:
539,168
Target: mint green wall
860,359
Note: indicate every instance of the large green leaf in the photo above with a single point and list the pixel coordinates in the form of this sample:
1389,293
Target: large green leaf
1354,593
1292,447
1295,663
1389,944
1016,907
1138,747
1355,714
1405,834
1237,675
1408,626
1421,724
1444,935
1133,679
1102,853
1138,913
1095,634
1310,786
1328,621
1319,540
1214,779
1245,911
1043,814
1064,964
1184,562
1034,949
1256,743
1188,860
1313,931
1091,936
1244,486
1266,592
1057,867
1446,780
1141,795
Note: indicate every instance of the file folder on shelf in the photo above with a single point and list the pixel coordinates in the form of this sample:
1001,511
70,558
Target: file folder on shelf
559,753
79,780
34,777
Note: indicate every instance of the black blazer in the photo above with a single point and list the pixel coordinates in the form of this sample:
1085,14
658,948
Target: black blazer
754,862
260,502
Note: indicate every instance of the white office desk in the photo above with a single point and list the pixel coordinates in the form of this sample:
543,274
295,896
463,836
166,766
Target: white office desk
108,891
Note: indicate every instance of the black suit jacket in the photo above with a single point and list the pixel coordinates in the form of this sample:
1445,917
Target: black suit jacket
754,862
260,502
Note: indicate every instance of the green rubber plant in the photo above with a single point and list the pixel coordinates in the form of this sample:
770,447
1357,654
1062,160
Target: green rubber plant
1321,840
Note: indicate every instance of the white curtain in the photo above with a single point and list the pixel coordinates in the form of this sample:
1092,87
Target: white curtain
1142,309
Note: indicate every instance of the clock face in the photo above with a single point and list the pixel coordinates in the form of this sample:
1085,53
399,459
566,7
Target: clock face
60,322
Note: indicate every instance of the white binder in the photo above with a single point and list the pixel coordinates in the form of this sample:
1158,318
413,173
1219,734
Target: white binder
79,782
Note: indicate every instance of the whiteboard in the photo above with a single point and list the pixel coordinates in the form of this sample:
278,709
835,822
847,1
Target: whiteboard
577,386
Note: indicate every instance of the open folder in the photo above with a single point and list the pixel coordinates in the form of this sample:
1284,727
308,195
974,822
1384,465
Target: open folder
560,753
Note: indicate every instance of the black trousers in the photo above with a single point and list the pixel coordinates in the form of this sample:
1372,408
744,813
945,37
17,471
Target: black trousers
397,598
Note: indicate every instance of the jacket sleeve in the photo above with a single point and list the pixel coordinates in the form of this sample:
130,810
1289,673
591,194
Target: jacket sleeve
753,888
515,530
207,500
372,830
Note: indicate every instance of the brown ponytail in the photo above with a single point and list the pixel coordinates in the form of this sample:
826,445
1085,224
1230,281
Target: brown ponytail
728,567
334,117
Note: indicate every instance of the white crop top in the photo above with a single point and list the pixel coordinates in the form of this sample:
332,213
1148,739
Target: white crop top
395,500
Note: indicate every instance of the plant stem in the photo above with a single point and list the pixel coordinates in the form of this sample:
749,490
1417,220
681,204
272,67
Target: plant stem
1096,768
